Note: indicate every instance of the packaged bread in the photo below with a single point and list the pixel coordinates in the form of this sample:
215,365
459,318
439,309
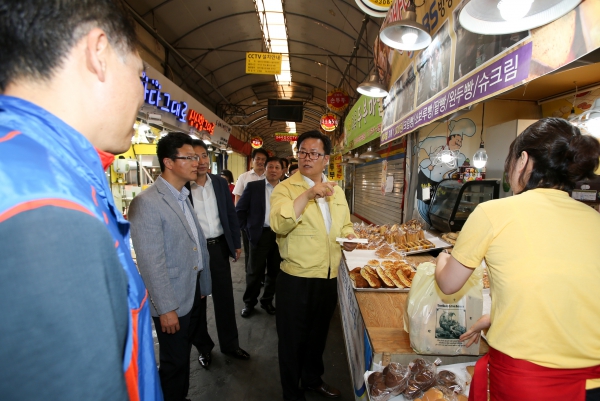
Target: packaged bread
378,391
448,380
400,237
396,377
422,378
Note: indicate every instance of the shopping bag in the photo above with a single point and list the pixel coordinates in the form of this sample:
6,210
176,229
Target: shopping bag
435,320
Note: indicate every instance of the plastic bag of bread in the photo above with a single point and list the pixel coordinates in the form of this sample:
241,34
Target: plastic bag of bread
377,388
396,377
449,383
434,320
422,378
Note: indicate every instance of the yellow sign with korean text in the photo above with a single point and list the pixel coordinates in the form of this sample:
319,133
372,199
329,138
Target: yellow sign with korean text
336,173
263,63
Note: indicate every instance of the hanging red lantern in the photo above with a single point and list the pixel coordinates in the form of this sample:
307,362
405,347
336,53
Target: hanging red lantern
256,142
329,122
338,100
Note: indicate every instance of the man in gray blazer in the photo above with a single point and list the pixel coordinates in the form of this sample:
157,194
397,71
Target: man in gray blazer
173,259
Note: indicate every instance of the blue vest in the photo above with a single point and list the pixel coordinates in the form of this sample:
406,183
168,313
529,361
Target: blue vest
45,162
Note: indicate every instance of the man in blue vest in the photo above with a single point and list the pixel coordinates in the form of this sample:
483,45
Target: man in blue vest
76,321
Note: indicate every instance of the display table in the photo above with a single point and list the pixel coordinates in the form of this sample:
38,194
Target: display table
374,328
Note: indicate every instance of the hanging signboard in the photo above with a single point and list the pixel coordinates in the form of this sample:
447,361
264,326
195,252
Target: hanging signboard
336,173
329,122
263,63
338,100
447,76
363,123
285,137
256,142
375,8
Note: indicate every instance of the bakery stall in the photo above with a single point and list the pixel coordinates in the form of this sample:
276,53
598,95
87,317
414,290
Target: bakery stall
373,288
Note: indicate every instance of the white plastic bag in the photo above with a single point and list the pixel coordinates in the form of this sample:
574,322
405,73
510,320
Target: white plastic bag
435,320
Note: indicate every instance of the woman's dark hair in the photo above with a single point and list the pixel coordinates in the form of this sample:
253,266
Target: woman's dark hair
560,154
229,175
292,168
36,36
260,150
169,145
274,159
316,135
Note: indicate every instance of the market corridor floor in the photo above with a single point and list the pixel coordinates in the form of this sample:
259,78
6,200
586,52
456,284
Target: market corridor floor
258,378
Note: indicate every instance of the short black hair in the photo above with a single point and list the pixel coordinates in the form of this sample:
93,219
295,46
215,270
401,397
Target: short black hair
274,159
37,35
229,175
561,155
286,162
198,142
292,168
168,146
260,150
316,135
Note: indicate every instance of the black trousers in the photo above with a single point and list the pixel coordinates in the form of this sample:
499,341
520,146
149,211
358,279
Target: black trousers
246,245
175,349
222,295
265,254
305,307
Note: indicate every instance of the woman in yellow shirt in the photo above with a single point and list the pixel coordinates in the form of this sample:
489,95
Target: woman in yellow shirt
542,252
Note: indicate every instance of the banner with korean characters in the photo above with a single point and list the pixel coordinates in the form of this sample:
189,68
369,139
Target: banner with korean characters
454,71
335,172
285,137
363,123
506,72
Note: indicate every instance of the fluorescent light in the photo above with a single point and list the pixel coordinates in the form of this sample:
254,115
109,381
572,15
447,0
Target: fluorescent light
275,18
513,10
291,127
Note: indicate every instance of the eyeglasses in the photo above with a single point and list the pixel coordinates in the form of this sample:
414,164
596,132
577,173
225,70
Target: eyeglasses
311,155
195,158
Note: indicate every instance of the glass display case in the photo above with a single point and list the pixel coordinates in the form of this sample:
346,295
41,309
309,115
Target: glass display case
453,201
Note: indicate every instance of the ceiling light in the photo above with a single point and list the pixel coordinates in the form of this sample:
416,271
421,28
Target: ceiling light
210,149
356,160
490,17
370,155
406,33
229,150
371,87
480,157
206,141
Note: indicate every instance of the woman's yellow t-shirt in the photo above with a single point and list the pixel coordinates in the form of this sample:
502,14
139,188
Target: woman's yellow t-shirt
542,249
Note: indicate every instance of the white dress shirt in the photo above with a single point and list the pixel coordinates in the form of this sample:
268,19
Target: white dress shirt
268,191
244,179
322,202
205,206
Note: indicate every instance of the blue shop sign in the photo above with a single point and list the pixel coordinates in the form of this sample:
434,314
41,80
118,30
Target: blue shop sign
162,100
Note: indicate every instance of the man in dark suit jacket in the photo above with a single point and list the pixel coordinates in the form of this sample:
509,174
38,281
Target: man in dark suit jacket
253,213
172,258
214,208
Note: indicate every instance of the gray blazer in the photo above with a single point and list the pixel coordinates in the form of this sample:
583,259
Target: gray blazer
165,250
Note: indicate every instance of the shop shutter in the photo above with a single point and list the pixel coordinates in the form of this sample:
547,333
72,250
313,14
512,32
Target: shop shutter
369,203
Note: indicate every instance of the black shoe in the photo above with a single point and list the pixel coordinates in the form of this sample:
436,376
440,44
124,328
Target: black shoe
326,390
204,360
269,308
247,311
238,354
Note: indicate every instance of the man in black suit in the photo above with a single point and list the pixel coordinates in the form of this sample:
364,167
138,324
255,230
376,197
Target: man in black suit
215,211
253,213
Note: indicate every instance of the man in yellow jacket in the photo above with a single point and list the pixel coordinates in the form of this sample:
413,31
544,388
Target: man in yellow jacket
308,213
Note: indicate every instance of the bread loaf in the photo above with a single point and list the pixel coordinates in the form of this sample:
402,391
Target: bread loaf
384,278
371,277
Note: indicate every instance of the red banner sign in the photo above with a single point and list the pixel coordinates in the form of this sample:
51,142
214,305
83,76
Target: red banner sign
338,100
198,121
329,122
285,137
256,142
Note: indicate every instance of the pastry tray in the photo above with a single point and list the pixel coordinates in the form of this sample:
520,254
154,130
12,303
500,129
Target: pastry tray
459,369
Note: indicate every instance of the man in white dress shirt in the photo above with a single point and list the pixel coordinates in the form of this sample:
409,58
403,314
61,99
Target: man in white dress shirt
214,208
259,160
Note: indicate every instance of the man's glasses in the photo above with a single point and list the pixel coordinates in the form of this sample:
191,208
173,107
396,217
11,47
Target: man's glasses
311,155
195,158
